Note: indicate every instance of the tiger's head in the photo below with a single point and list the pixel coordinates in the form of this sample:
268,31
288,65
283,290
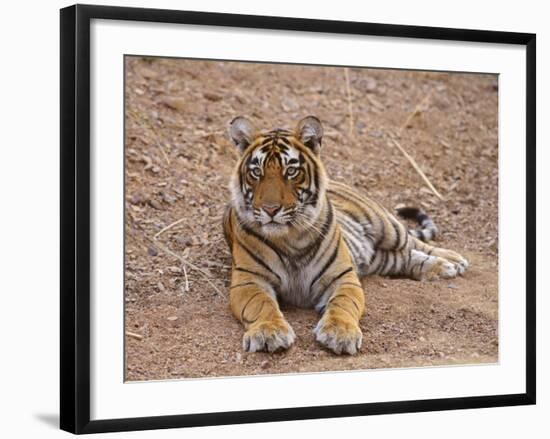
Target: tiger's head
280,182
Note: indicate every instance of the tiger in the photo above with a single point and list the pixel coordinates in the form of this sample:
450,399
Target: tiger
297,237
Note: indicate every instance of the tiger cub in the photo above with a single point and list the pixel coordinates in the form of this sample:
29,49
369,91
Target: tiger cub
298,237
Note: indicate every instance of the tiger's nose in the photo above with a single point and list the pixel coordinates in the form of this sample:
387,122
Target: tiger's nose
271,209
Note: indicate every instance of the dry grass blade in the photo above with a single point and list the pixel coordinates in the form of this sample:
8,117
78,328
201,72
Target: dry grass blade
169,226
134,335
186,289
417,110
165,229
166,250
417,169
155,242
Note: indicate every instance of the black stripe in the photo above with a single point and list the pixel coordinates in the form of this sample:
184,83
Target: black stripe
244,167
249,322
329,262
397,235
335,305
403,237
246,270
354,199
331,240
284,141
339,306
422,264
329,219
392,269
374,258
352,247
242,284
247,303
313,177
352,215
309,173
266,140
334,279
408,260
264,240
258,260
382,233
360,205
386,266
406,243
385,259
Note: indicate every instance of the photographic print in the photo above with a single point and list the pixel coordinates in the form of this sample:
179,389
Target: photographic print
300,218
289,203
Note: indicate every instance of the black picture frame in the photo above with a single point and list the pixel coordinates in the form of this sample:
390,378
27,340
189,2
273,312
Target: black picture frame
75,217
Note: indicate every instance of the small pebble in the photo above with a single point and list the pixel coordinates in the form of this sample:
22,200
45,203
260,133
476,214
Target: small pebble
136,199
213,96
155,204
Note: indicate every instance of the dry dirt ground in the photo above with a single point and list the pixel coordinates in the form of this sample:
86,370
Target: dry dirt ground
178,162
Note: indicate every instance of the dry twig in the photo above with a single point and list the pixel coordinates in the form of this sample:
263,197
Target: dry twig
155,242
417,168
417,110
166,250
168,227
134,335
186,289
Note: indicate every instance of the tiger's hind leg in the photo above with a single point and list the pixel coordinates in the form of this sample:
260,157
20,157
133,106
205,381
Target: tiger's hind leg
455,258
413,263
421,265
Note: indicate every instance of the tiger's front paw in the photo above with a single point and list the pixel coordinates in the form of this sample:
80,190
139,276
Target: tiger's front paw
268,336
342,336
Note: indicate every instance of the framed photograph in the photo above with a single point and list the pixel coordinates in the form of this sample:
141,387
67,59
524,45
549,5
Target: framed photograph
267,218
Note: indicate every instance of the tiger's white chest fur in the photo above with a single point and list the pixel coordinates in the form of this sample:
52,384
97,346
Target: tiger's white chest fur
298,286
295,286
296,276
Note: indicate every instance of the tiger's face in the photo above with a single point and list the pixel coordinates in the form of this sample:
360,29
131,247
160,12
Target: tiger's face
279,183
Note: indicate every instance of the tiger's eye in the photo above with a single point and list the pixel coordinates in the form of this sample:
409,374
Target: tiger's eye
255,172
292,172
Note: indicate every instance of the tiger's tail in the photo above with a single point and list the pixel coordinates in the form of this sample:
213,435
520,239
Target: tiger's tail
427,230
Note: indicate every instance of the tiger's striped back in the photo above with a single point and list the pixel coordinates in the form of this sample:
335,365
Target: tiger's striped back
373,235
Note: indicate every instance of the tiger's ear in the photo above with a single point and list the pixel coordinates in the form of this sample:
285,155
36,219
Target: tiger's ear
241,132
310,132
